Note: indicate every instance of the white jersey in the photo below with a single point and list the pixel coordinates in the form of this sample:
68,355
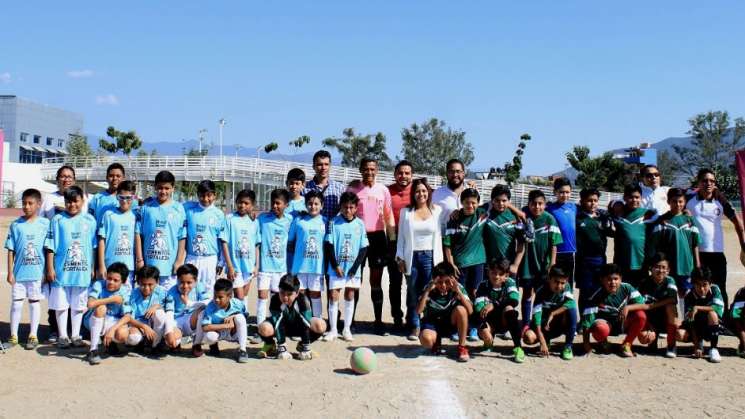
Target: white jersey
448,200
708,217
655,199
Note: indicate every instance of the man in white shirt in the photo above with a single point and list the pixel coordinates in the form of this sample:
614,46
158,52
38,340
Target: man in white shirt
447,196
654,195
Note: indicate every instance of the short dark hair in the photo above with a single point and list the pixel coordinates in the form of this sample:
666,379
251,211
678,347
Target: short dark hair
402,163
657,258
454,161
470,193
280,194
164,176
223,285
675,193
187,269
119,268
630,189
535,194
500,265
703,172
557,272
647,167
499,190
610,269
561,182
63,168
321,154
73,193
126,186
295,174
205,186
31,193
701,274
246,193
148,272
115,166
366,160
443,269
313,194
348,197
289,283
588,192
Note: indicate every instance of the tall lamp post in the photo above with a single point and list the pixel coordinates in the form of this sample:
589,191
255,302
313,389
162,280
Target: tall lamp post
201,138
222,124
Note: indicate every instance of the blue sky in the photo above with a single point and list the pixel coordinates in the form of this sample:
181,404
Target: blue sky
581,72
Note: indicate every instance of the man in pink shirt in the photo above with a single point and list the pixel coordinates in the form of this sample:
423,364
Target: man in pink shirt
400,198
374,208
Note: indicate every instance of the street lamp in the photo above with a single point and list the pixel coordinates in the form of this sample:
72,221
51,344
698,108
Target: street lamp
222,124
201,138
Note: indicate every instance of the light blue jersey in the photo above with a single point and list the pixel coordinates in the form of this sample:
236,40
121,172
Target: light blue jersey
161,227
295,207
140,304
72,240
117,229
308,233
26,241
242,236
274,233
103,202
175,304
347,237
203,228
98,291
216,315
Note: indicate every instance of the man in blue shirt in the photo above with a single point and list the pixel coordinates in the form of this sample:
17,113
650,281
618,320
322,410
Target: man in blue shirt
565,213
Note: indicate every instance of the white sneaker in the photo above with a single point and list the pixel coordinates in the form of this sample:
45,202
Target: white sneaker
283,354
347,335
714,356
330,336
295,338
671,353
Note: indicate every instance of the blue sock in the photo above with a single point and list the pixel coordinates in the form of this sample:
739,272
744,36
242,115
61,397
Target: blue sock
571,328
526,309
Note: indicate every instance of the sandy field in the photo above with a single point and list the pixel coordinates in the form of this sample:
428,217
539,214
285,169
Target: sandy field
408,383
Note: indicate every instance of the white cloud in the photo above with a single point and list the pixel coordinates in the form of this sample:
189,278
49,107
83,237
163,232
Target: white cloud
110,100
80,74
5,78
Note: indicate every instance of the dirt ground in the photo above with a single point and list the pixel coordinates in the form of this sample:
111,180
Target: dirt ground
407,383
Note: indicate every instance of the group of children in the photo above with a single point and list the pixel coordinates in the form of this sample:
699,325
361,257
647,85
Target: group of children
149,275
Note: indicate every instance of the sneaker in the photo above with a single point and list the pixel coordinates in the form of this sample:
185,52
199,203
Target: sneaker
78,342
463,355
267,351
242,356
380,329
347,335
519,355
32,343
567,354
295,338
63,343
437,348
454,337
196,350
504,336
52,338
12,341
94,358
282,353
255,339
330,336
414,335
714,356
473,335
305,355
626,351
214,350
671,353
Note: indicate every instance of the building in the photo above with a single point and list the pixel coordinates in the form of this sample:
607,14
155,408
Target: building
642,155
34,131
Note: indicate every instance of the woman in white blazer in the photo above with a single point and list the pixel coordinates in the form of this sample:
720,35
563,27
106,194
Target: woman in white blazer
419,247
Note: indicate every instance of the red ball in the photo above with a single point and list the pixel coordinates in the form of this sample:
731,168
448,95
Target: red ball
600,331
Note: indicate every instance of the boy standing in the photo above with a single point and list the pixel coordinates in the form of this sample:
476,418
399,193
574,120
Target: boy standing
295,185
631,235
106,200
240,244
565,214
116,234
307,234
593,228
501,232
274,227
205,224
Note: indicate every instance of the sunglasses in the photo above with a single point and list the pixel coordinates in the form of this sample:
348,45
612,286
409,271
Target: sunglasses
125,197
652,175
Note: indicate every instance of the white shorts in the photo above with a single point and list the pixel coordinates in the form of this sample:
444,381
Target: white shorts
242,279
311,282
225,335
30,290
269,281
336,283
167,282
207,266
183,322
62,298
108,323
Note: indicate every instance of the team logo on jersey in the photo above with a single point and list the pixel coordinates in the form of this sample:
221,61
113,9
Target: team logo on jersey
275,248
30,255
75,260
198,245
311,249
123,245
346,251
243,248
157,247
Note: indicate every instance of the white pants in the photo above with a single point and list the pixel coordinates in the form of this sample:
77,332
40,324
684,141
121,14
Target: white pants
206,267
269,281
62,298
30,290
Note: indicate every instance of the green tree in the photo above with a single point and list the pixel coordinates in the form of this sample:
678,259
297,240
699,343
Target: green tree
193,152
440,142
142,153
300,142
126,142
602,172
78,146
512,169
668,165
354,147
270,147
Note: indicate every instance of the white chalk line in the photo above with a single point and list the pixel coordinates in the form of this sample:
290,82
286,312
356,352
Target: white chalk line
443,401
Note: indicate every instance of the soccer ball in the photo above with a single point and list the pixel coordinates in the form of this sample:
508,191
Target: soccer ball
363,361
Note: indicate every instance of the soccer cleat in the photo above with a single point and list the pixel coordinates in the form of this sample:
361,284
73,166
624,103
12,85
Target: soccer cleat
714,356
671,353
567,354
519,354
346,335
295,338
32,343
196,350
454,337
267,351
463,355
78,342
305,355
473,335
242,356
214,350
63,343
626,351
414,335
12,341
94,358
52,338
330,336
282,353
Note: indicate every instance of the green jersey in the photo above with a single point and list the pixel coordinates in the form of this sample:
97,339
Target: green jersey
441,305
737,305
547,301
506,295
500,235
592,234
630,239
677,236
465,238
537,257
654,292
712,299
284,317
606,306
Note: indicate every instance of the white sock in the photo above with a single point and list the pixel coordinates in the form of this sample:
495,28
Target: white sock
199,333
15,316
61,323
159,325
333,315
240,330
134,339
96,330
316,307
77,322
34,314
348,313
261,311
210,338
681,303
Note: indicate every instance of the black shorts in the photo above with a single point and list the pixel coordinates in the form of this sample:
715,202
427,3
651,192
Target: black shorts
377,252
441,325
557,329
657,319
493,320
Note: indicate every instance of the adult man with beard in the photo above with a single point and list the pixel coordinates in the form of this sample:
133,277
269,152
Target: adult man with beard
448,196
400,192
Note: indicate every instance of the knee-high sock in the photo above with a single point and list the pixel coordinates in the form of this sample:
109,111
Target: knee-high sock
211,338
376,295
348,313
34,312
199,333
77,321
52,318
261,310
672,330
333,315
159,325
513,324
316,306
15,316
526,307
61,316
714,335
96,330
356,303
571,327
241,331
634,324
